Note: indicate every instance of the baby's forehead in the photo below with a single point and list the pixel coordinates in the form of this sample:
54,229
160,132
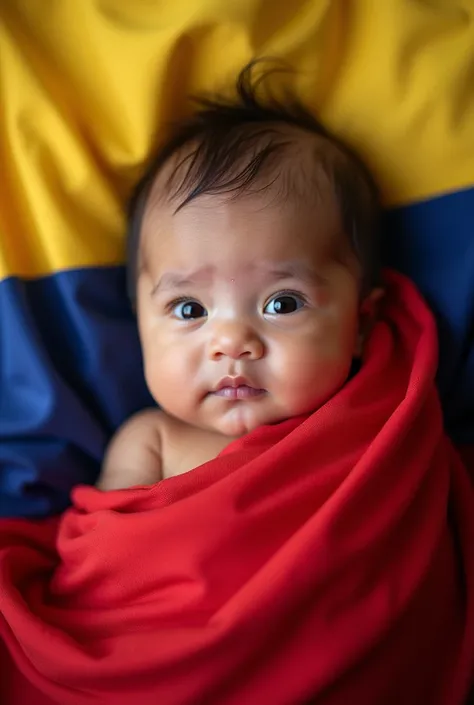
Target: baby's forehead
239,231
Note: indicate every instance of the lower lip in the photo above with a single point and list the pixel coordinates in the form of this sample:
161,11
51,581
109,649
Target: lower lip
242,392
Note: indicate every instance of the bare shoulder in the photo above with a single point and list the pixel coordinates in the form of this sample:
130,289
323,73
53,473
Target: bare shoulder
146,421
185,447
133,456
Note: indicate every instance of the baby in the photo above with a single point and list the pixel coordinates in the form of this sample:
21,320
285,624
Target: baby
253,268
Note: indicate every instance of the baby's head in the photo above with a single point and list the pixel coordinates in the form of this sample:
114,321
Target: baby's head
252,263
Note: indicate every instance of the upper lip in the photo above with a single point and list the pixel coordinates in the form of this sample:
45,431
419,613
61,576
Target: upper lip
233,382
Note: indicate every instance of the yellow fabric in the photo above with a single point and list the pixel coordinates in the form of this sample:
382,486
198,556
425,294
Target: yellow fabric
88,86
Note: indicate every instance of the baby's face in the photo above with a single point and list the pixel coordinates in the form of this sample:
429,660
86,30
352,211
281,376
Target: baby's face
247,310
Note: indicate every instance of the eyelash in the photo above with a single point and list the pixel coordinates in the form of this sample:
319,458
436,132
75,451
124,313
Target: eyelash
288,292
181,300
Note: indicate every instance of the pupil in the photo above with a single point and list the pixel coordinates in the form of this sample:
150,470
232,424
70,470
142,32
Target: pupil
285,304
192,310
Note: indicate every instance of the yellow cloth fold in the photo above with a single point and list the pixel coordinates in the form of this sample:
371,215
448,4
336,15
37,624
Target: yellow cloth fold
87,88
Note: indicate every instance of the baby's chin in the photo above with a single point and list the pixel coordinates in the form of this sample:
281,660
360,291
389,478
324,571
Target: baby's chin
239,421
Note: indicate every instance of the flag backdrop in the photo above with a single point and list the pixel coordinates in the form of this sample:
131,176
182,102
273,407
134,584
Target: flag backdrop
86,91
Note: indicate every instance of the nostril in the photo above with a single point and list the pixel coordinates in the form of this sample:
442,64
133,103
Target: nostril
236,343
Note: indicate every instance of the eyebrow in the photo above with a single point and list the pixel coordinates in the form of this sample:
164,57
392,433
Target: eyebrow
297,270
287,270
177,280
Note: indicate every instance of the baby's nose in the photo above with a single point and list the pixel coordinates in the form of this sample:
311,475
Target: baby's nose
236,340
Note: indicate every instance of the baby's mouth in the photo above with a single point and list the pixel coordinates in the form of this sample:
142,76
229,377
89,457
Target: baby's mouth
242,392
237,388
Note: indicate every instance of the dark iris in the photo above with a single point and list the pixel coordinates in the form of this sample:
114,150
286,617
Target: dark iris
283,304
191,309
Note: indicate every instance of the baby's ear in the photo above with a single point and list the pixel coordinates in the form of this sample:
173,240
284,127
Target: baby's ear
368,315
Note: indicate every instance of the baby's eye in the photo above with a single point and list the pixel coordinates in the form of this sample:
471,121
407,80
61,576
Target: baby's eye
188,310
284,304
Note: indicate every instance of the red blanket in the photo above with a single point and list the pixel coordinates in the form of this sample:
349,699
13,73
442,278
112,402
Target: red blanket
327,559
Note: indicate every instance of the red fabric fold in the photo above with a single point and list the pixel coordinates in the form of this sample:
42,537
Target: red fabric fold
328,559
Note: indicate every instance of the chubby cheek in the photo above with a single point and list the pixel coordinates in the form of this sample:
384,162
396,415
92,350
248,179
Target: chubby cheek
169,372
311,370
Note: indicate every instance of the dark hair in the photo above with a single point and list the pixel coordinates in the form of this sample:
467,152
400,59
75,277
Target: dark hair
234,140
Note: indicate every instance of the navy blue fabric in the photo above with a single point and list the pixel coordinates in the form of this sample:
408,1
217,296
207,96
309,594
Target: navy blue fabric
71,368
433,243
70,373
